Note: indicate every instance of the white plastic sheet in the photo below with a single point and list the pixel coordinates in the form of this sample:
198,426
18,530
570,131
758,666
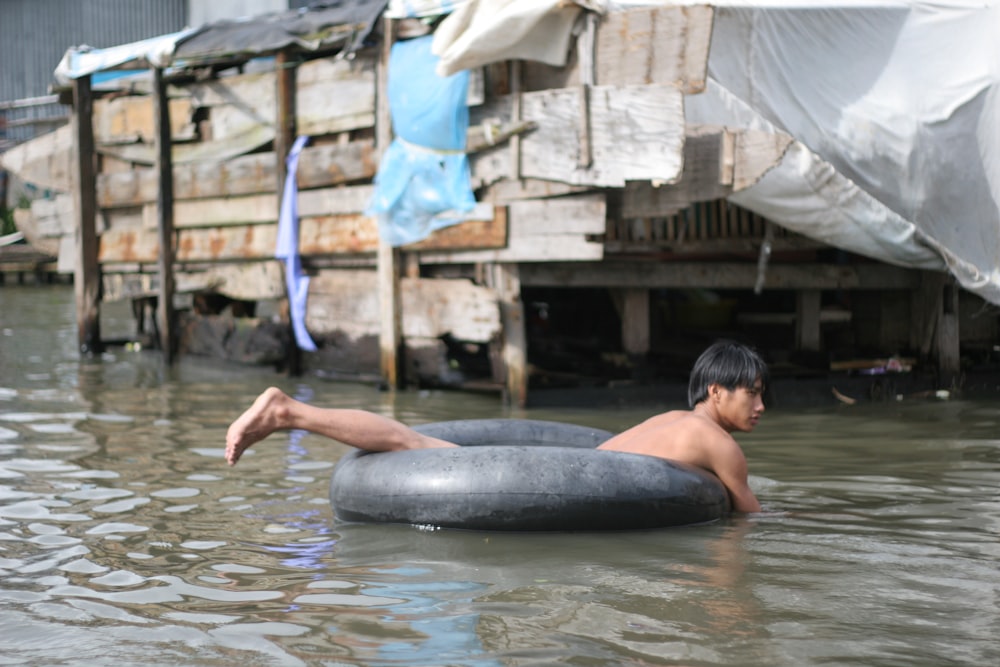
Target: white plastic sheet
487,31
894,109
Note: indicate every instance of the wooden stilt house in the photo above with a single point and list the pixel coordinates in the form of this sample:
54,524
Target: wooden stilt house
589,180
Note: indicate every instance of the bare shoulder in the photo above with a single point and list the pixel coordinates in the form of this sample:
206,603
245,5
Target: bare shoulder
680,435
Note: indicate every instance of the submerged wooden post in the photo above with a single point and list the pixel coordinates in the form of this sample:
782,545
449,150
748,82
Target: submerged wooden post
87,272
387,259
507,283
165,217
807,316
935,325
284,137
633,308
948,352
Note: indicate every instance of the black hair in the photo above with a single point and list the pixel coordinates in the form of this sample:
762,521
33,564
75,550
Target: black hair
726,363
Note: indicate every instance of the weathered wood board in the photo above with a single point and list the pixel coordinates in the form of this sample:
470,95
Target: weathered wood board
337,164
334,201
667,45
44,161
25,222
635,133
507,191
128,119
217,150
247,209
655,45
47,224
718,275
335,95
346,300
250,281
755,153
319,166
236,104
567,228
336,234
717,162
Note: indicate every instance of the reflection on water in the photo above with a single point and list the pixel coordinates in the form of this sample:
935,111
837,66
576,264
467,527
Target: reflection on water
124,538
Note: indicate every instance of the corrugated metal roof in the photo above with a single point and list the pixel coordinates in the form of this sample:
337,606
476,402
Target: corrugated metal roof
328,26
322,25
34,35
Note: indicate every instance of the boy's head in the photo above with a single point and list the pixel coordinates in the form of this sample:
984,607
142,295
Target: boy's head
728,364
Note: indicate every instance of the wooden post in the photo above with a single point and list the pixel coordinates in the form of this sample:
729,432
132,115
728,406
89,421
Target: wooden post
935,325
925,312
387,257
507,283
807,327
949,358
284,137
586,45
87,273
633,309
165,217
515,114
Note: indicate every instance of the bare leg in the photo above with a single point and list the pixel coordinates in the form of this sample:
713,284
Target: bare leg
276,411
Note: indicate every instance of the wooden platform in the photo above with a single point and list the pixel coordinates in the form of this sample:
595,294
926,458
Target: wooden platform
21,264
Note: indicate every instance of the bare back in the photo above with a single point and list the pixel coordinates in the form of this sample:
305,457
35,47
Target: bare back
696,439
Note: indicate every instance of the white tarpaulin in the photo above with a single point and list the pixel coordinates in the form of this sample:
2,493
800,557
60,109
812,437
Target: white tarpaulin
486,31
895,112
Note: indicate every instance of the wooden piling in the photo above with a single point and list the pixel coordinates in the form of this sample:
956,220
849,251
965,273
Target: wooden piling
507,283
165,218
948,349
387,257
807,319
633,309
284,138
87,273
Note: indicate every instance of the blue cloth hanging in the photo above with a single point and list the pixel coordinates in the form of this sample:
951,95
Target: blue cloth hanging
296,281
423,182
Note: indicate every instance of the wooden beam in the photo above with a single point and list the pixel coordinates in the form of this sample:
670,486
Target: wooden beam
716,275
165,218
284,138
87,273
543,230
387,257
284,135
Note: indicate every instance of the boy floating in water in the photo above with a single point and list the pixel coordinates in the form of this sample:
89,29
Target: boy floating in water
724,393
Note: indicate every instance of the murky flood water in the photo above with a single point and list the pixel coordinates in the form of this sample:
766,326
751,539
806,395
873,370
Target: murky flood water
126,540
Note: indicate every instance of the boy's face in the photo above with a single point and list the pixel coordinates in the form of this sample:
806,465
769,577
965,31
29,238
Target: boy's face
740,409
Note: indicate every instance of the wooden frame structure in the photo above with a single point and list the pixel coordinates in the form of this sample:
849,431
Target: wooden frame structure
186,179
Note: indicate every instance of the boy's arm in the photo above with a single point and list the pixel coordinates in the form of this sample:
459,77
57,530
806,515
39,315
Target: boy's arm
731,469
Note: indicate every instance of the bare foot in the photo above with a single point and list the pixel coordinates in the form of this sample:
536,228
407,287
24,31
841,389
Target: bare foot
259,421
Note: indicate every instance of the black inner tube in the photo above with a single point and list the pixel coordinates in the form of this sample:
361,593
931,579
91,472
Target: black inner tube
530,475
